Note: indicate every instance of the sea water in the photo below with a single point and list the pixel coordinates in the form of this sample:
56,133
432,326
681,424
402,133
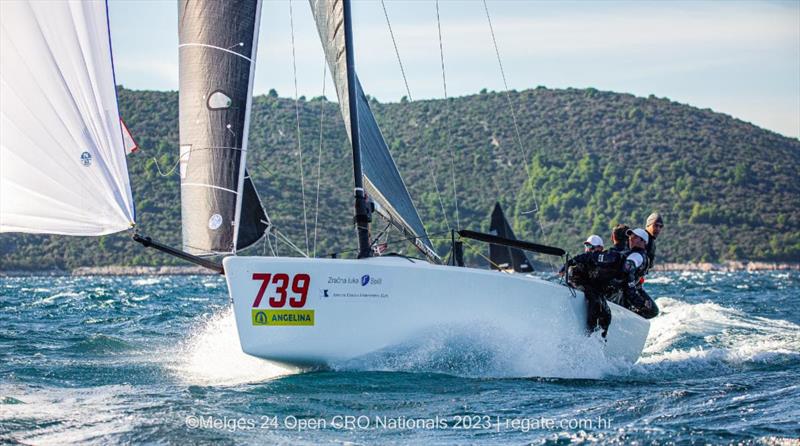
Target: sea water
155,359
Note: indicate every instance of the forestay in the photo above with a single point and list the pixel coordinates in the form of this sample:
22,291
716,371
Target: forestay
382,179
62,157
217,54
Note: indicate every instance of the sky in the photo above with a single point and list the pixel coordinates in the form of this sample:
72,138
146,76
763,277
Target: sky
735,57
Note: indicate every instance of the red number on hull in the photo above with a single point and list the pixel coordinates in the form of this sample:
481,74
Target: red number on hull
264,278
279,301
300,284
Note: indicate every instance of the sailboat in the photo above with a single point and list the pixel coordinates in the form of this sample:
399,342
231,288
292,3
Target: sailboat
503,257
316,312
64,171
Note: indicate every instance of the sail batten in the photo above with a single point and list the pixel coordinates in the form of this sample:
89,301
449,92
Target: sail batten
62,154
217,51
384,183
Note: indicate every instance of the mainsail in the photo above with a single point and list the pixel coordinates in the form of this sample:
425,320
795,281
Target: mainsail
221,212
62,156
382,179
506,257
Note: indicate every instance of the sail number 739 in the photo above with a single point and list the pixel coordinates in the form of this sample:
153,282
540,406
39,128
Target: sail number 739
299,288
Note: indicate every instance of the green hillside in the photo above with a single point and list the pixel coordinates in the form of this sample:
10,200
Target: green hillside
727,189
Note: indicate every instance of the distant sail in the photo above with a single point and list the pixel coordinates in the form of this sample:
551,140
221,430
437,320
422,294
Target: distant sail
504,257
62,158
382,179
217,55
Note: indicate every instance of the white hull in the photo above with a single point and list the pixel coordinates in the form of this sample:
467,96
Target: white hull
402,299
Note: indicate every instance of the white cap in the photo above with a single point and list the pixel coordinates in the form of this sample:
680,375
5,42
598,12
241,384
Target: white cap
639,232
594,240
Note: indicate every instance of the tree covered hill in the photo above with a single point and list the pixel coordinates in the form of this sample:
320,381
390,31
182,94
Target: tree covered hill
580,160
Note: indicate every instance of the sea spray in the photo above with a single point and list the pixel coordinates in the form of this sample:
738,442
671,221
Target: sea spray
491,351
211,355
691,338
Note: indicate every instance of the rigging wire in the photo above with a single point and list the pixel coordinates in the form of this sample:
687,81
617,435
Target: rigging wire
391,242
396,51
279,234
319,153
410,99
521,147
448,142
438,193
384,232
480,254
297,116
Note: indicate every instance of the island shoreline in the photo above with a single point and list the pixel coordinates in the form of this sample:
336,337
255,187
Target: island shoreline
731,266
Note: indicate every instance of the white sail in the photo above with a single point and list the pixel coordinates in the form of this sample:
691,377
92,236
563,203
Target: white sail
62,156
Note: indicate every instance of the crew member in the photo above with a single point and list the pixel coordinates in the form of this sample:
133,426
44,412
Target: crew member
655,223
619,238
593,244
596,273
635,267
653,226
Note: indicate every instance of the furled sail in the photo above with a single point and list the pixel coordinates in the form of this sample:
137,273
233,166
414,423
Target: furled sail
62,158
220,209
506,257
382,179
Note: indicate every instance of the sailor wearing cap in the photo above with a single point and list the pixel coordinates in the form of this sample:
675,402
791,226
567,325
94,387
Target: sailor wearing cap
655,223
593,244
636,266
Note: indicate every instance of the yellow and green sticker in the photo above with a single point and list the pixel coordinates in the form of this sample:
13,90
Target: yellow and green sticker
283,317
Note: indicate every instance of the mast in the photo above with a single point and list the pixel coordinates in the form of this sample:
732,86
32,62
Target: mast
362,209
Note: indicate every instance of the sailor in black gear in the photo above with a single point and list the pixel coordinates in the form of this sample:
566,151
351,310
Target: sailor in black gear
653,227
635,267
655,223
597,275
619,238
593,244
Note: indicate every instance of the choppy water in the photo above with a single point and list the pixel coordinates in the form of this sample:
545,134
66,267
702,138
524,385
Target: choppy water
146,360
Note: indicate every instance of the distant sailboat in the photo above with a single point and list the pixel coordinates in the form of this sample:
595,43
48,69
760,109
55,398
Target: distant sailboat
502,257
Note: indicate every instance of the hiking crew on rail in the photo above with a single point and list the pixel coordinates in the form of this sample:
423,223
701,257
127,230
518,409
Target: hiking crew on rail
616,274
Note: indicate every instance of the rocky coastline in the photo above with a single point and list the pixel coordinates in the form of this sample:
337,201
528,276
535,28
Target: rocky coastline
730,266
115,271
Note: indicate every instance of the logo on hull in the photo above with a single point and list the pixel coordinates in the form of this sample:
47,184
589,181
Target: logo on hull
283,317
